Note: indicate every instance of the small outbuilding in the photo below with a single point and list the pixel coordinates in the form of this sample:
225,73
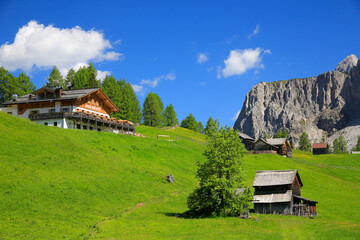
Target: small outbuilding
320,148
279,192
247,140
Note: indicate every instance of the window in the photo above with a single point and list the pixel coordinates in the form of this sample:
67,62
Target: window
9,113
65,109
55,124
46,123
51,110
34,112
78,126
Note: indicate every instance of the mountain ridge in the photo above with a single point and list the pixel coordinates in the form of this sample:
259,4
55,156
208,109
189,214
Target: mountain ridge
321,106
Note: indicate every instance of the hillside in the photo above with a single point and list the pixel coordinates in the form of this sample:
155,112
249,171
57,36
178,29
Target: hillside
323,106
71,184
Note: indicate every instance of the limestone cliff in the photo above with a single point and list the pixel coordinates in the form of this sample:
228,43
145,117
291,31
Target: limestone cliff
321,106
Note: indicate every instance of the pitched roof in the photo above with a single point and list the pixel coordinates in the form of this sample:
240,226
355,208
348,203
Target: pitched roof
277,177
273,197
245,136
66,95
276,141
319,145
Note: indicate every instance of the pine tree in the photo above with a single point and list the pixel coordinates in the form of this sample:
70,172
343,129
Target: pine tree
211,126
55,79
152,110
304,143
357,147
170,118
70,77
190,123
339,145
201,128
85,77
124,97
220,175
9,85
281,134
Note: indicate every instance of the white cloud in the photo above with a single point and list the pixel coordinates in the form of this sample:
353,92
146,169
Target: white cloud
241,60
255,32
36,45
102,74
236,116
138,88
202,57
156,80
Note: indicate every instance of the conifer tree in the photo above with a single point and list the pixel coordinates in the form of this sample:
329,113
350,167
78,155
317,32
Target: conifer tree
220,175
152,110
211,126
304,143
170,118
9,85
55,79
70,77
281,134
85,77
201,128
190,123
339,145
357,147
124,97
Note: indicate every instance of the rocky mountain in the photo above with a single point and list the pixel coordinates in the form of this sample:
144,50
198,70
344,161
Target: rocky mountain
325,106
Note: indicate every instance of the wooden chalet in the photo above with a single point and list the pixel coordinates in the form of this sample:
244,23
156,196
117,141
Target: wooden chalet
320,148
279,192
79,109
246,140
273,145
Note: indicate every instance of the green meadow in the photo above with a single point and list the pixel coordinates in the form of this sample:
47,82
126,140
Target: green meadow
71,184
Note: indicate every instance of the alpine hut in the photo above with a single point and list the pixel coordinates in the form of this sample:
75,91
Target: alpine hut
279,192
273,145
246,140
320,148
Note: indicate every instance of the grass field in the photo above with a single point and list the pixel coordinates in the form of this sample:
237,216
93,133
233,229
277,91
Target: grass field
71,184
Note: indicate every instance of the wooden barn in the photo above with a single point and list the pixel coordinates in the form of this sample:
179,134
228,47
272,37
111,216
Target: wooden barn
320,148
247,141
279,192
273,145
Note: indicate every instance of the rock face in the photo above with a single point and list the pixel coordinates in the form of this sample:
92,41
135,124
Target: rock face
320,106
347,64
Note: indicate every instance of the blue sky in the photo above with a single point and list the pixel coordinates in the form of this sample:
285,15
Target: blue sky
201,56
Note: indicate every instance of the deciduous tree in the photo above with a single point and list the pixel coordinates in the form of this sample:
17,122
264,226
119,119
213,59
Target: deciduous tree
220,175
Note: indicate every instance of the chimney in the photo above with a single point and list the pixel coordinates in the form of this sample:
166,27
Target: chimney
58,92
14,97
69,86
30,96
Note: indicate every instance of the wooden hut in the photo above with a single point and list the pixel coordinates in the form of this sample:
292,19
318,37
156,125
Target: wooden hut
273,145
320,148
247,141
279,192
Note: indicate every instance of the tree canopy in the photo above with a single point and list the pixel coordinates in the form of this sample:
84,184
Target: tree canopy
55,79
153,110
124,97
304,143
220,176
169,117
339,145
357,147
9,85
190,123
85,77
281,134
211,126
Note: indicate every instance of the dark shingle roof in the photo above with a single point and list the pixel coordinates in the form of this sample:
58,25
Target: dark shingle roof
273,178
244,136
65,95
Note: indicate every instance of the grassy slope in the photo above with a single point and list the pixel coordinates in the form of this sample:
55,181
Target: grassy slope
73,184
